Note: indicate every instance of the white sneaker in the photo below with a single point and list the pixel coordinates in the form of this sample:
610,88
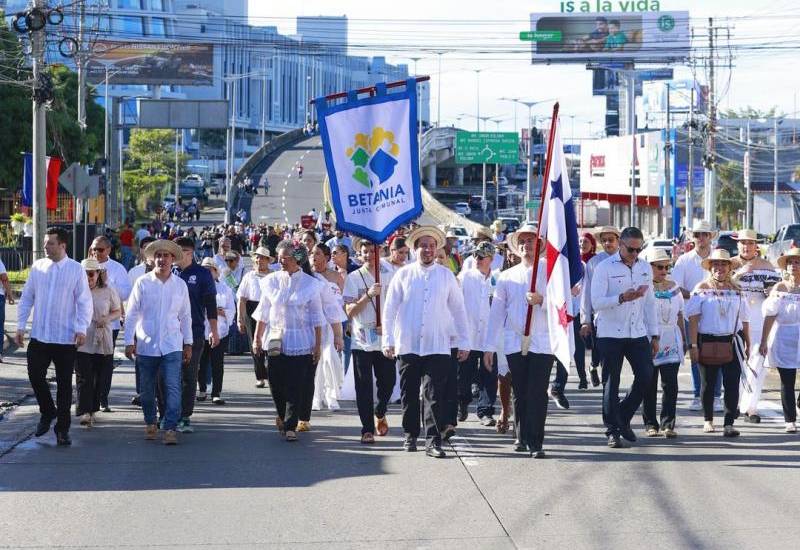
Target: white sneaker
791,428
696,405
708,427
333,405
718,406
316,405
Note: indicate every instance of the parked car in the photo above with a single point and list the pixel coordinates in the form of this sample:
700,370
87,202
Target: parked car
462,208
194,178
217,187
511,224
785,238
658,244
474,202
726,241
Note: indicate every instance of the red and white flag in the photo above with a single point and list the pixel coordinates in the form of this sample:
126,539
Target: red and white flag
559,228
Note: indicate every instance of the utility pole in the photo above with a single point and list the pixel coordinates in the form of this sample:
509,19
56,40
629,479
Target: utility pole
690,173
39,153
749,197
80,60
775,178
630,109
710,169
668,229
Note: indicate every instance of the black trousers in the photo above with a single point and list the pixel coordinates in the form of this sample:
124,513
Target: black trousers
307,392
91,370
731,372
788,377
617,414
286,374
669,397
214,359
451,391
468,374
430,373
367,363
39,356
108,374
530,375
259,363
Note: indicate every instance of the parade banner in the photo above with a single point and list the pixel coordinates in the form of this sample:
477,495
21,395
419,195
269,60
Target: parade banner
370,147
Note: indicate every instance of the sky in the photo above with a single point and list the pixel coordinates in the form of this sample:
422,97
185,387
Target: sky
763,41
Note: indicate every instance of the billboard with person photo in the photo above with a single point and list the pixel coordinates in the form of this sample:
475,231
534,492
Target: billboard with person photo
627,37
152,63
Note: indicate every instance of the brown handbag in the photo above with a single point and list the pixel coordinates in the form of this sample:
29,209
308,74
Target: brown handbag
720,352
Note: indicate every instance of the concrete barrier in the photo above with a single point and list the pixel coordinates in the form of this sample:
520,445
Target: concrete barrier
269,147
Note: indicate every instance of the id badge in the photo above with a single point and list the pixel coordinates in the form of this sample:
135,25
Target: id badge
369,334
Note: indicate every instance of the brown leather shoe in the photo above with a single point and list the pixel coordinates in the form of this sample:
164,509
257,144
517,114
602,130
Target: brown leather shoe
303,426
151,432
170,437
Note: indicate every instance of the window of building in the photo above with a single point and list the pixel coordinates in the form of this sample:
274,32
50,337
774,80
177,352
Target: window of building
129,25
158,26
129,4
158,5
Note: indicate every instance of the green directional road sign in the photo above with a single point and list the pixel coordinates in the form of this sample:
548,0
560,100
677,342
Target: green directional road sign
540,36
532,205
487,147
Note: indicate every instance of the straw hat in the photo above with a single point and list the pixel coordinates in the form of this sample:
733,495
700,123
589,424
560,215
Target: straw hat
784,258
608,229
231,255
717,255
497,226
426,231
262,251
163,245
451,234
513,239
481,232
90,264
746,235
209,262
658,255
703,227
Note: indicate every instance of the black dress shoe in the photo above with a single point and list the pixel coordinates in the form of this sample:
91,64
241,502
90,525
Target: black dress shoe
538,453
520,447
435,451
752,418
62,438
627,433
615,442
410,444
448,432
136,401
43,426
559,399
595,377
463,412
105,408
583,384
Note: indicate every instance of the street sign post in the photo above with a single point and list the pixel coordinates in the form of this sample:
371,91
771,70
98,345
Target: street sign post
487,147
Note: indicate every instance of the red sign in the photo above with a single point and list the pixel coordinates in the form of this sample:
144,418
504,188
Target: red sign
598,165
307,222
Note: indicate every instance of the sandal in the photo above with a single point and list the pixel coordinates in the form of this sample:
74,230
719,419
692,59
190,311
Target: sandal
652,432
279,425
382,426
291,436
367,439
502,425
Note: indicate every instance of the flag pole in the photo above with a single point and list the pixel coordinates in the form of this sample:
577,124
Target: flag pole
526,336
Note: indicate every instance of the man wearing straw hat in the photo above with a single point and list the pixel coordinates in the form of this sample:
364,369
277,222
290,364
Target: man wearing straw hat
424,308
160,319
498,231
609,239
626,315
755,276
688,272
58,292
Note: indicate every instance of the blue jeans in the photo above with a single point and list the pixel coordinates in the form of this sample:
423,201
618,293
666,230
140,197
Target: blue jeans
696,381
617,414
168,367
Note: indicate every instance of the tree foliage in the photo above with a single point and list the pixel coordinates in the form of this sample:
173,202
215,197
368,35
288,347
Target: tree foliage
64,137
150,163
731,197
749,112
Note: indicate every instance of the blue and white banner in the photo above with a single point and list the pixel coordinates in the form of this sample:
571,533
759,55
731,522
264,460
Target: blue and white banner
372,159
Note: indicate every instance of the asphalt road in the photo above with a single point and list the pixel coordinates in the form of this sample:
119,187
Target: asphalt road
235,484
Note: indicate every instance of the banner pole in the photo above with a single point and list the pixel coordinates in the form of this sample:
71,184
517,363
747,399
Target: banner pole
371,89
376,257
526,335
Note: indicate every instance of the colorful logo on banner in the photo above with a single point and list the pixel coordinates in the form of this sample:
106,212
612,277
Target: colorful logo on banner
370,147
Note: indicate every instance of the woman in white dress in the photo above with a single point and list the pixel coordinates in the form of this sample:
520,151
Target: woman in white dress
781,346
718,315
212,361
329,376
670,305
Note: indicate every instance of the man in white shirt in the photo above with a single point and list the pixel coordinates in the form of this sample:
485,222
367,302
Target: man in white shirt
160,319
477,286
144,266
609,239
58,292
687,273
479,236
360,295
423,307
116,278
626,315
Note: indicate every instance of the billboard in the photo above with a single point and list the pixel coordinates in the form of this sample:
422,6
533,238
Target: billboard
606,165
627,37
183,113
152,63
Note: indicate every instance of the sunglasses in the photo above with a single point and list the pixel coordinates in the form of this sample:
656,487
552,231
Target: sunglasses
661,267
633,249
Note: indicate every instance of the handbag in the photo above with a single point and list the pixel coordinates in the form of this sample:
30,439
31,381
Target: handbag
720,352
274,341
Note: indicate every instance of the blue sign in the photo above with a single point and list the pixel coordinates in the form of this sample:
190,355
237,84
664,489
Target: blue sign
654,74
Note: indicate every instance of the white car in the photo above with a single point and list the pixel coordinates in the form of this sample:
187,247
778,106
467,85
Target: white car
654,244
462,208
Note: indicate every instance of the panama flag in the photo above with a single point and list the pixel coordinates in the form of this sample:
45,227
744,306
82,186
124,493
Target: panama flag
51,189
564,267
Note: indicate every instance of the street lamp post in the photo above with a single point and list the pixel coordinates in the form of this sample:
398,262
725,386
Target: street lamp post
529,105
478,97
419,119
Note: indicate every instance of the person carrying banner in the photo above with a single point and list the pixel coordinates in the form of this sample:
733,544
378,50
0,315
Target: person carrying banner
626,316
423,303
360,293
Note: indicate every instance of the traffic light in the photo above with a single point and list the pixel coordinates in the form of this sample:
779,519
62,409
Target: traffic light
99,167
